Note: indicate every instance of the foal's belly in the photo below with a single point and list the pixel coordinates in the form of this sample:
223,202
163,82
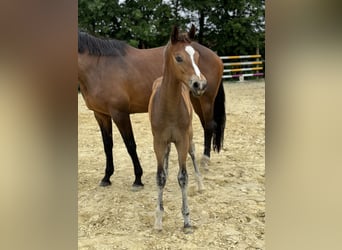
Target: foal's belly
173,133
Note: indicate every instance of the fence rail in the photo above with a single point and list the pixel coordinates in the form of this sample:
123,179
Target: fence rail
230,67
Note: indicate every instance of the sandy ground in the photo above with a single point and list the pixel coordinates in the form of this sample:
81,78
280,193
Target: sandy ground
229,214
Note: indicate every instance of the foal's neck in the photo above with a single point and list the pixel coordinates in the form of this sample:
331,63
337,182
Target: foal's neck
171,91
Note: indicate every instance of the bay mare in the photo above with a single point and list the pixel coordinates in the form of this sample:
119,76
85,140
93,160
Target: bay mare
170,113
116,80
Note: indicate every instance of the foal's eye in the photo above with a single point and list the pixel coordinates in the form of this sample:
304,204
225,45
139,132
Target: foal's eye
179,59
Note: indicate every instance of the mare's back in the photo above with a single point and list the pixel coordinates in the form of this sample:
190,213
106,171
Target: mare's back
115,73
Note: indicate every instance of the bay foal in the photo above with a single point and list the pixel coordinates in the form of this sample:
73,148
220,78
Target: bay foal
170,113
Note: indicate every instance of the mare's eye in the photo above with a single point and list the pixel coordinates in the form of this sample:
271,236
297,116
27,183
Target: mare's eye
179,59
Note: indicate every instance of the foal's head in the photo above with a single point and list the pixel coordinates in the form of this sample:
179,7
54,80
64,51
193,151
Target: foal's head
182,59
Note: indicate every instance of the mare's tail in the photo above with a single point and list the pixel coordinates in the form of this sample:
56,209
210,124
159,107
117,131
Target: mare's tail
219,118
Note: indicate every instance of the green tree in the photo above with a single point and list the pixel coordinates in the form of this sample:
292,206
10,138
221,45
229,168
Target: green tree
148,23
197,12
143,22
239,26
100,17
226,26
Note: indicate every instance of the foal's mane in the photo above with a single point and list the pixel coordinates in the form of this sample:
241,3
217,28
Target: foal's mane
184,37
181,37
100,46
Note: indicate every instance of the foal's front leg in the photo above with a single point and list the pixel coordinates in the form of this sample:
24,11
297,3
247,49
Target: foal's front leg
182,149
166,159
161,180
161,150
183,183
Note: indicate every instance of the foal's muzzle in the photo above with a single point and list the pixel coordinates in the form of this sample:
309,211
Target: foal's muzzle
198,87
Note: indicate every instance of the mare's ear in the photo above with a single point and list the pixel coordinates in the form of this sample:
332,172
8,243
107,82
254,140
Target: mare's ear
174,34
192,32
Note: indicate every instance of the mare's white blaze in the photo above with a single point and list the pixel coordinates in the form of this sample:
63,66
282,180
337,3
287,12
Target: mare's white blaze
190,50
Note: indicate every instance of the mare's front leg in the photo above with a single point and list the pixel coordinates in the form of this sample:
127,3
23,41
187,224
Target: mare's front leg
105,124
123,122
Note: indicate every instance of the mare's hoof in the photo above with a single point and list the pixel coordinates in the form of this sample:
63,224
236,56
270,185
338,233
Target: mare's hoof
137,187
104,183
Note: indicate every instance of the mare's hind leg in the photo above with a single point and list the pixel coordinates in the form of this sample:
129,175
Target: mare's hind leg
209,125
197,172
208,135
123,122
105,124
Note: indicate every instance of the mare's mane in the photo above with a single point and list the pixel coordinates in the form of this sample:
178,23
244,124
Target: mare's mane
100,46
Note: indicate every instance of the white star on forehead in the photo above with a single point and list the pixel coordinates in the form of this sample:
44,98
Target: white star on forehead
190,50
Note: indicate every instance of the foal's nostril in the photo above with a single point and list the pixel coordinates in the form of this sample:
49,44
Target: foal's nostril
196,85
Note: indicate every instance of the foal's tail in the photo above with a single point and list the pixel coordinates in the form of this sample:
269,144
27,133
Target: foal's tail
219,118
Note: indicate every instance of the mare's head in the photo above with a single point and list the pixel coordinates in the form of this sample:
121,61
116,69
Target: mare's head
181,60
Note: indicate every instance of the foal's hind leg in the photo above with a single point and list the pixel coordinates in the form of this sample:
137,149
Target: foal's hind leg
205,114
105,124
197,172
123,122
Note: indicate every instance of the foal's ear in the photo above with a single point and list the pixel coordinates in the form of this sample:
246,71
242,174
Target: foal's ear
192,32
174,34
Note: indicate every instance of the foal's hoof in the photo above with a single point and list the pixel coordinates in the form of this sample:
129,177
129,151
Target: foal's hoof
201,188
105,183
158,228
188,230
205,163
137,187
